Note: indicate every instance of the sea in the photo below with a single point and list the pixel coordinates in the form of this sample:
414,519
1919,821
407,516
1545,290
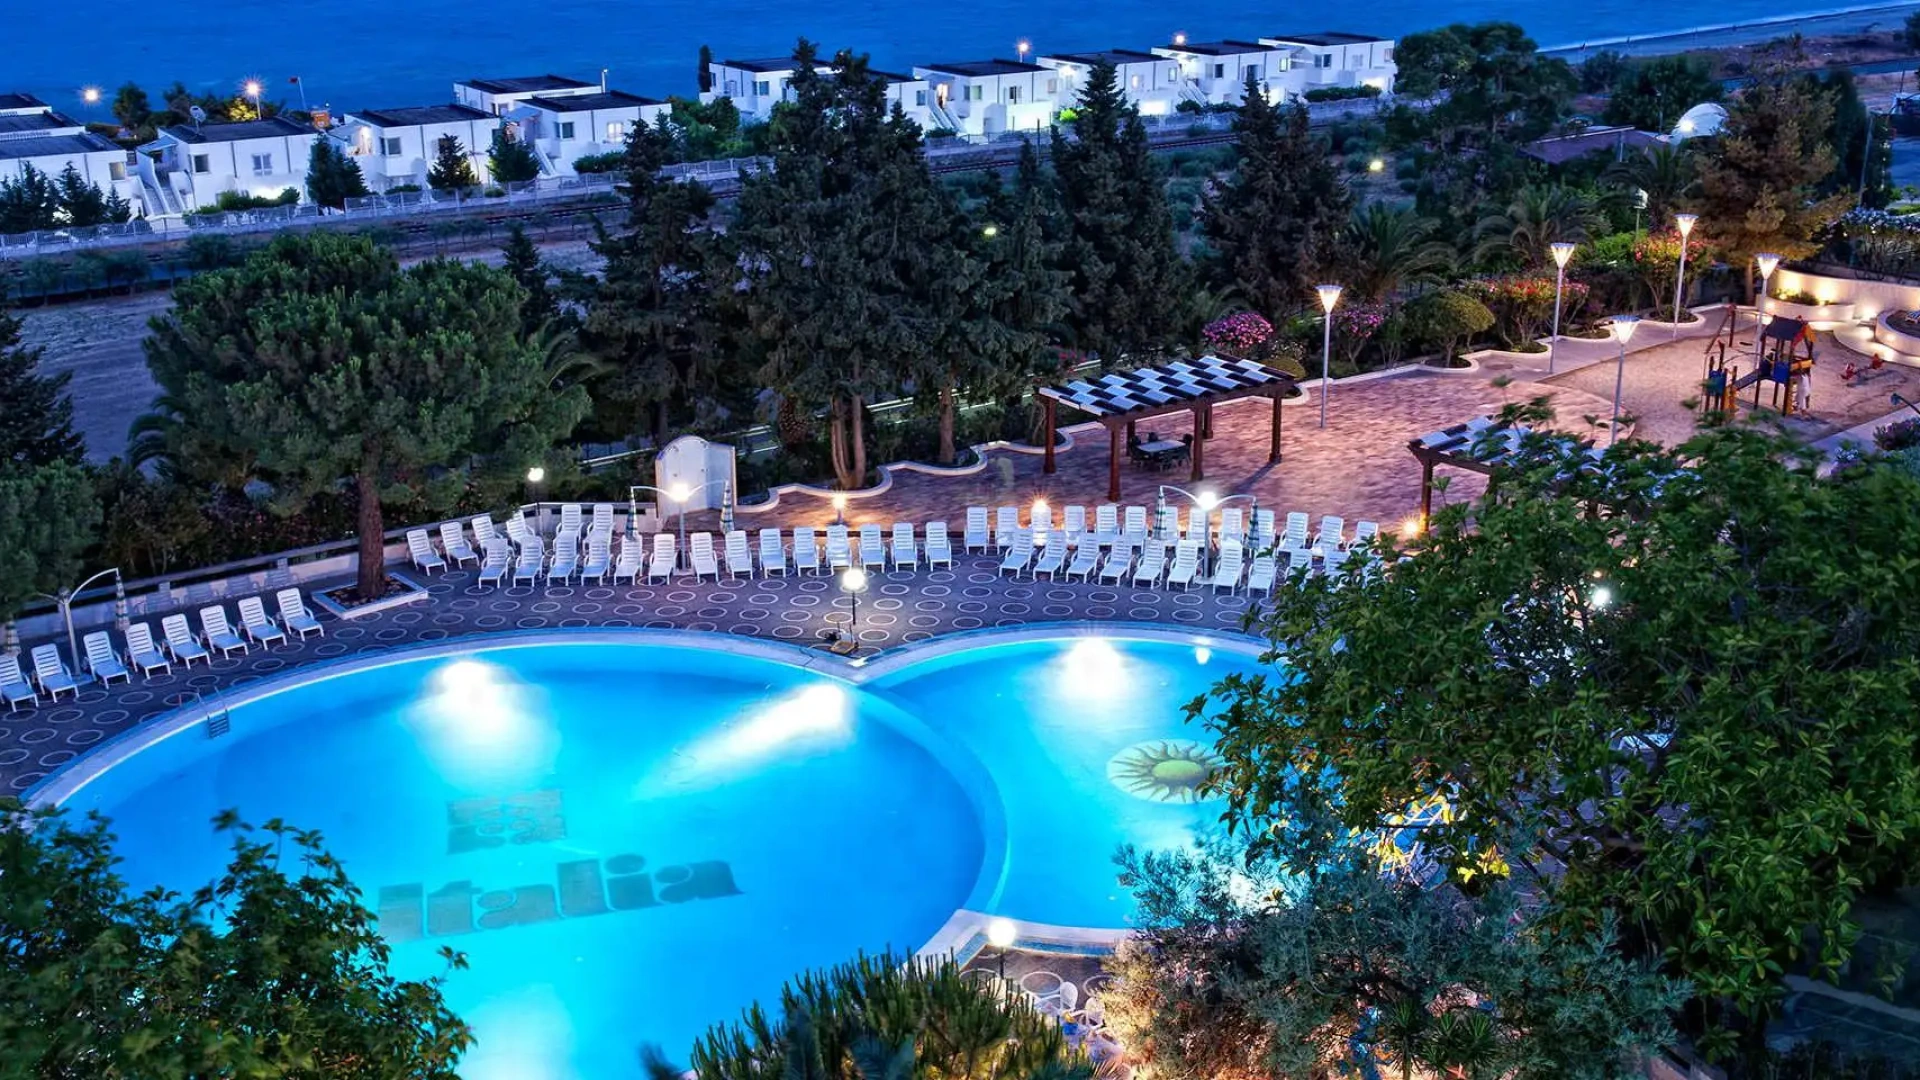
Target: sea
369,54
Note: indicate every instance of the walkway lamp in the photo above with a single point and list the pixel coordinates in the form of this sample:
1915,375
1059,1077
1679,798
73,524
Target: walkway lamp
1623,327
853,582
1329,296
1562,252
1767,262
839,508
680,494
65,603
1001,934
1685,224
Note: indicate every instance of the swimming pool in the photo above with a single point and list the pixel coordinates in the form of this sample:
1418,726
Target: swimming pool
634,836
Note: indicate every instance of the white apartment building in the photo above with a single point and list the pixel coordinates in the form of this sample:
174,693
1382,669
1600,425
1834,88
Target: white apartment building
913,94
1337,59
33,135
563,129
192,165
499,96
989,97
1150,82
1215,72
399,146
755,86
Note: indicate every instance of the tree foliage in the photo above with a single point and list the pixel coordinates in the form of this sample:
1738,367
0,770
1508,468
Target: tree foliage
34,200
273,969
1129,283
1243,970
319,360
1276,222
1671,691
36,423
49,516
1652,93
333,176
452,168
511,160
1390,248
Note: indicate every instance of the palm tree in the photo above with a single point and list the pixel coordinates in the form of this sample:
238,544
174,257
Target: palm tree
1666,173
1536,219
1392,248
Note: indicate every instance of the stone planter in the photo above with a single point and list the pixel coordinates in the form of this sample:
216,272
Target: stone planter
410,592
1818,316
1899,341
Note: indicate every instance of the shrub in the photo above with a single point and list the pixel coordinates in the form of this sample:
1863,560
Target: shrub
1899,435
1523,303
403,189
1795,296
1341,93
1446,318
1239,334
587,164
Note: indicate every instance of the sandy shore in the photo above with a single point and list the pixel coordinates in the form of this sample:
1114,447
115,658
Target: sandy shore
1866,19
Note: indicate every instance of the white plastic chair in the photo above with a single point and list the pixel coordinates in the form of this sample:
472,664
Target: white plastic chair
1006,527
483,530
1296,534
773,554
298,620
570,518
1333,530
51,672
1019,553
939,546
700,553
1364,531
1134,522
566,556
1106,524
602,519
1262,530
1153,563
453,541
180,641
141,652
739,555
839,548
533,559
976,536
1086,558
217,634
1186,564
1119,561
1230,524
101,661
905,551
254,621
665,560
1229,567
1052,559
420,549
1073,522
1260,575
14,686
873,548
633,559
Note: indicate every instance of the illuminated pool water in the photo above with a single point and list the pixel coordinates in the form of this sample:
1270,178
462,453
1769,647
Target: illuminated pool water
633,840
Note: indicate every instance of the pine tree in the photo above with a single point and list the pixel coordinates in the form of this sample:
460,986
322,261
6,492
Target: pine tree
705,81
36,424
452,168
1130,285
510,160
333,176
81,203
1276,222
521,260
29,201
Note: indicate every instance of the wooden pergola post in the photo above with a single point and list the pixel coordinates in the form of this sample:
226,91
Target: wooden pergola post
1199,442
1273,451
1426,490
1051,405
1113,462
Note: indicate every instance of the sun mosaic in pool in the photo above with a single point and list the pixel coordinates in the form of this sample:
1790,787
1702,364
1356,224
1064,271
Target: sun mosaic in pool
1164,770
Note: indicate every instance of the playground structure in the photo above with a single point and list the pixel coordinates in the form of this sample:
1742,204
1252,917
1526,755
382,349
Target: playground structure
1785,358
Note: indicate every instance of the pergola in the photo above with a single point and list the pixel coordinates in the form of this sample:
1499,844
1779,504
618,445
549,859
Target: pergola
1483,445
1121,399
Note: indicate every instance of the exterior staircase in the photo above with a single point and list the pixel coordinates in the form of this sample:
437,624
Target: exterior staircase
941,116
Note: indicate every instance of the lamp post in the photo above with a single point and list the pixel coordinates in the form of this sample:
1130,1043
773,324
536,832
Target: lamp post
853,581
1001,934
1329,296
1206,501
1767,261
680,495
1685,224
1562,251
253,89
1623,327
1899,400
536,476
65,603
839,508
1023,46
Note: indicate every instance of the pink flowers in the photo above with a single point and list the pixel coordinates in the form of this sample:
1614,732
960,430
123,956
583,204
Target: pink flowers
1662,250
1358,321
1523,303
1239,334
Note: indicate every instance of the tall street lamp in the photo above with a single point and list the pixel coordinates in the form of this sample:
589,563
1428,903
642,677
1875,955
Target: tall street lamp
680,495
1329,296
1623,327
1206,501
1562,251
1001,934
853,582
1767,261
1685,223
65,602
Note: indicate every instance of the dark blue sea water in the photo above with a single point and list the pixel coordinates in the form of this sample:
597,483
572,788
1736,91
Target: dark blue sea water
378,53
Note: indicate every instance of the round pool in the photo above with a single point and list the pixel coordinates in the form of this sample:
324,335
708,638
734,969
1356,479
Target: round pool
632,840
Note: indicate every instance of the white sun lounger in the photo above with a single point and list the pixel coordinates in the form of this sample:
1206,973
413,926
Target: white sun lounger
483,530
602,521
1019,554
700,554
180,641
1153,563
1119,561
453,541
976,536
1042,518
13,685
1052,559
773,554
839,548
1333,561
665,560
217,634
1262,530
806,549
1299,559
256,625
517,530
1073,522
906,552
1228,568
1086,558
570,517
739,555
295,616
1260,575
1186,563
420,550
1333,533
1006,527
493,568
1296,534
1364,531
566,556
599,559
1134,521
633,560
1231,527
141,652
51,672
533,558
101,660
873,547
939,545
1106,524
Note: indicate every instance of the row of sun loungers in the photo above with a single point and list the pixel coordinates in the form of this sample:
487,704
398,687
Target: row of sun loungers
1112,525
177,644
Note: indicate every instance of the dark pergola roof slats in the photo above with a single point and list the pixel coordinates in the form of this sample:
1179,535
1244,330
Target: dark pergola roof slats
1483,445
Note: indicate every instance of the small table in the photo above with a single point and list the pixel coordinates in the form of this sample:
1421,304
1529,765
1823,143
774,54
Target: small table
1161,446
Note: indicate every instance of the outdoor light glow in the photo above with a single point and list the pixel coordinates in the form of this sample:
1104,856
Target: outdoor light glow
1602,596
819,715
990,231
1329,296
1001,933
1039,507
1686,127
479,724
1208,500
1180,38
252,88
1562,251
1376,165
1685,222
680,493
536,475
1093,670
1623,327
839,503
1023,45
90,95
1202,654
1767,261
853,579
1410,529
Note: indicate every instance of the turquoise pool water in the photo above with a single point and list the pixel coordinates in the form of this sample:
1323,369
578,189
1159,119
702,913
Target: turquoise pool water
634,841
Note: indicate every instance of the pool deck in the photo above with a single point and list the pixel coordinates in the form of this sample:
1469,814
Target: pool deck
898,608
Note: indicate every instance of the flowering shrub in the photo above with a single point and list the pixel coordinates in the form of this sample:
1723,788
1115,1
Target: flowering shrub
1883,242
1522,304
1354,326
1657,257
1241,333
1899,435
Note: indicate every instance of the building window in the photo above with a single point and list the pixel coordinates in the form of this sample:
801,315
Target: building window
1323,60
616,131
763,87
1173,72
976,93
1283,63
1219,71
389,147
263,164
1386,54
202,164
733,88
117,170
1013,95
1355,60
920,98
563,129
1053,87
